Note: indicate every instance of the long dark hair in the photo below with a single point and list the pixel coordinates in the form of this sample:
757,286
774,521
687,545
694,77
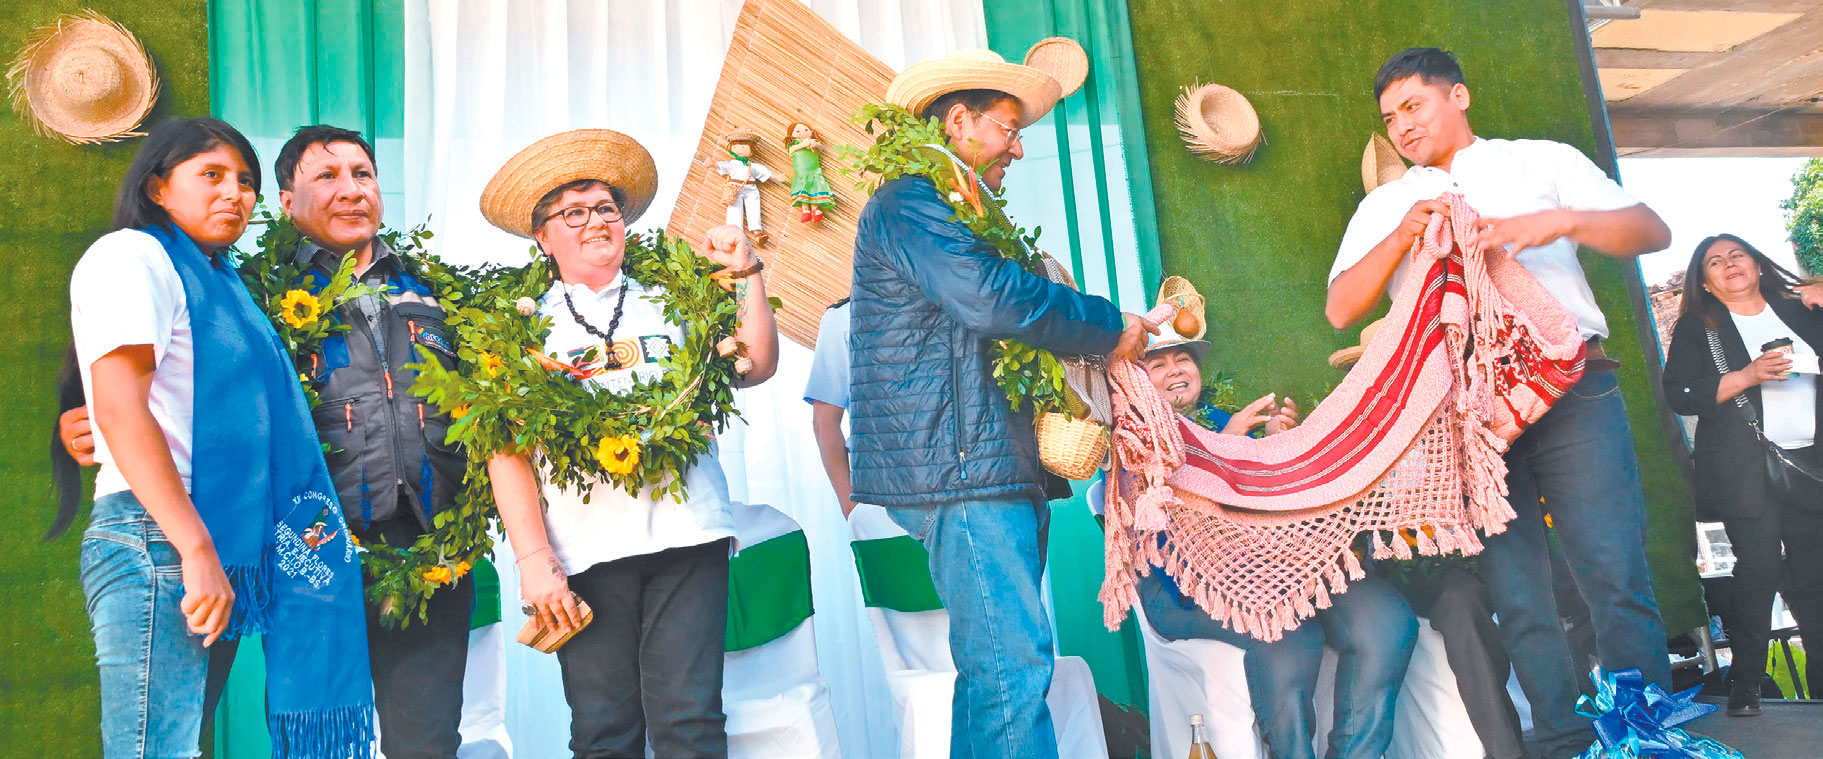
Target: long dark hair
172,142
66,476
1775,282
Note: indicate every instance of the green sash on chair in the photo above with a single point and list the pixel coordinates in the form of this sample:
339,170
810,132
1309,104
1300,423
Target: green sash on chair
768,591
895,574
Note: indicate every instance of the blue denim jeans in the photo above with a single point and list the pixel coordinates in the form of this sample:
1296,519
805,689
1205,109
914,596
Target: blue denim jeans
152,668
1372,630
1578,458
986,559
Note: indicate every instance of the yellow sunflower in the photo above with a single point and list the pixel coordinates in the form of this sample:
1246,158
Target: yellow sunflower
491,363
299,308
618,455
459,411
462,568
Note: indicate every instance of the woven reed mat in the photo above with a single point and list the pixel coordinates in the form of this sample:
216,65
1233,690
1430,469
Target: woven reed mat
786,64
1259,531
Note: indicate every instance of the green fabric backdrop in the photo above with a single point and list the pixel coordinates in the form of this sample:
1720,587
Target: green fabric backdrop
1103,194
55,199
1272,225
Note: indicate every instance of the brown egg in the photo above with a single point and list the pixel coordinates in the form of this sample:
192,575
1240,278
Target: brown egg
1186,323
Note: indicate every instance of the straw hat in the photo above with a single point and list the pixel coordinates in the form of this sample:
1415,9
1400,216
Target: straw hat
1184,294
562,158
1345,358
741,134
1380,163
1036,89
83,79
1063,59
1218,123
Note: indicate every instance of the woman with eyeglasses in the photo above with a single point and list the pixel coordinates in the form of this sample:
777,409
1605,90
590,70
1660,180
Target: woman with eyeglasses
646,673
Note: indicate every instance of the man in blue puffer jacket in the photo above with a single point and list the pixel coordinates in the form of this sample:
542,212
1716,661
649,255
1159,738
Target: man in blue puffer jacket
934,439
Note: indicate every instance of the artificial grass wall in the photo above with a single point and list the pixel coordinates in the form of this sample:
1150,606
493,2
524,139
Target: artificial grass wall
55,199
1258,239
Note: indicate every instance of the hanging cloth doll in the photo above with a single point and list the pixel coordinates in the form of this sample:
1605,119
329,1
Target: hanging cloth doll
810,193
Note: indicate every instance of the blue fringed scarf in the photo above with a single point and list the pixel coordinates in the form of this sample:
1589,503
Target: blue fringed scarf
260,485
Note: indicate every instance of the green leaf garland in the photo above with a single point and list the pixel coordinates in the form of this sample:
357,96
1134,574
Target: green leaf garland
1030,377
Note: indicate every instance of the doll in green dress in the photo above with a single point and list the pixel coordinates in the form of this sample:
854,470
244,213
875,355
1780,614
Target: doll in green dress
809,191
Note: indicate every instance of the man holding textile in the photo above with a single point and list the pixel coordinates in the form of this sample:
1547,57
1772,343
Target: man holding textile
1540,200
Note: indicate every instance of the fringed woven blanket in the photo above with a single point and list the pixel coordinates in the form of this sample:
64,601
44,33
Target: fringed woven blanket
1259,531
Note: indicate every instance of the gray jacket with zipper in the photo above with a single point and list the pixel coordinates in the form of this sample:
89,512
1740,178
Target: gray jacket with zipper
386,449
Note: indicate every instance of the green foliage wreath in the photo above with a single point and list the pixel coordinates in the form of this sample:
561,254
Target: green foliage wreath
509,397
907,146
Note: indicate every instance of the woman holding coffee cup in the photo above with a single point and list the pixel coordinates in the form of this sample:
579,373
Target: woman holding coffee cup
1758,466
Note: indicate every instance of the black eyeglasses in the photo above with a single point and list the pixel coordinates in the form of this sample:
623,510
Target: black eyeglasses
579,215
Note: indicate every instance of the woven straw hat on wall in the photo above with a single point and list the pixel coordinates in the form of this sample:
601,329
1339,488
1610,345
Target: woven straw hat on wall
1218,123
83,79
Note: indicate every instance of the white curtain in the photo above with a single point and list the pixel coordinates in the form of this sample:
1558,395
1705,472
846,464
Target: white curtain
485,78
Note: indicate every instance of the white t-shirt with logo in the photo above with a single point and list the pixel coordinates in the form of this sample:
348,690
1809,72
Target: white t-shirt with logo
125,291
615,524
1500,178
1788,406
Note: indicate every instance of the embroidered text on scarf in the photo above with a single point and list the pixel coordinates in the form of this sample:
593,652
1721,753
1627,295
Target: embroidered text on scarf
260,485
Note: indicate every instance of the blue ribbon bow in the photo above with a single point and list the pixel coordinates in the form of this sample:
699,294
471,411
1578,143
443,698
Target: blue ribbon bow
1634,720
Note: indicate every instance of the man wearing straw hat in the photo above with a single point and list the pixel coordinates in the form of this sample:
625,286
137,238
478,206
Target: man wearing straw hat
647,673
934,439
1540,200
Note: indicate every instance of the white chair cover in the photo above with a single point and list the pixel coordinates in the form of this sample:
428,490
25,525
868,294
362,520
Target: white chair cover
775,698
922,675
1208,677
484,697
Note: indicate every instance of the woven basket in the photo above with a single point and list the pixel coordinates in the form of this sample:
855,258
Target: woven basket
1179,291
1071,448
1218,123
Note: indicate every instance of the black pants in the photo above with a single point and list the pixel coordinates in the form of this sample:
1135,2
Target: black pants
1785,542
650,666
1457,606
417,670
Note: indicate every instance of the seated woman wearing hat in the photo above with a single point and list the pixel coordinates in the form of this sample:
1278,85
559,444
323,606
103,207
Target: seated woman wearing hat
648,671
1371,627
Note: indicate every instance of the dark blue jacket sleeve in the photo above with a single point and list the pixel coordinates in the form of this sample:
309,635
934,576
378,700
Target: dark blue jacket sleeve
982,289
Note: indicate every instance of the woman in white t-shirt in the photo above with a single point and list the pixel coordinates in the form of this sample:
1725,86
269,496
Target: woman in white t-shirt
1743,360
158,317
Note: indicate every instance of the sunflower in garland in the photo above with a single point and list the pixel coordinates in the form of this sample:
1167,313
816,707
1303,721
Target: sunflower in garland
618,455
300,308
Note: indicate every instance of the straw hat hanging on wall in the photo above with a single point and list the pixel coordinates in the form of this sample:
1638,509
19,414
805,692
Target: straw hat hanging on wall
83,79
1380,163
1218,123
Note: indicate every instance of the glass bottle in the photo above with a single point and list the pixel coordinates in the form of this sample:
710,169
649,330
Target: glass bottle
1199,739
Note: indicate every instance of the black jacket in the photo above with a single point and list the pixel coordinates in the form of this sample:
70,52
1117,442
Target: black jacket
1730,461
930,299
